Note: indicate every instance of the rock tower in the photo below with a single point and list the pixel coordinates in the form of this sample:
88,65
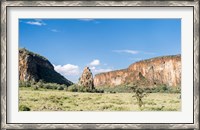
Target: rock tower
86,78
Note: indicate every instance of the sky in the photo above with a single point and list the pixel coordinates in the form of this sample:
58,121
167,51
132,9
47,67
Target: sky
101,44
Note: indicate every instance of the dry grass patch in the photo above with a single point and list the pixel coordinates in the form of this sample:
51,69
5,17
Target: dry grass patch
55,100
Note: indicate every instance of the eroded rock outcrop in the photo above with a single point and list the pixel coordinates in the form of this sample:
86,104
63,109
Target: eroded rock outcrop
152,72
33,67
86,79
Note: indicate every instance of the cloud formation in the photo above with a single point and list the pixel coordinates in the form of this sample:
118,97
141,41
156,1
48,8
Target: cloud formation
89,20
127,51
37,22
67,70
95,62
95,67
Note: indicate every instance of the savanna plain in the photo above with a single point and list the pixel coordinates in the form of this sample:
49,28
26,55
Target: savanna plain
61,100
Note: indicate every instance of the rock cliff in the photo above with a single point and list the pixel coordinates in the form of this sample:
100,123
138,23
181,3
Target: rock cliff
86,78
149,73
33,67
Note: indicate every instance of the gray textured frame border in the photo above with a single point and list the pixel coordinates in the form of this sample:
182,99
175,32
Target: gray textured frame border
5,4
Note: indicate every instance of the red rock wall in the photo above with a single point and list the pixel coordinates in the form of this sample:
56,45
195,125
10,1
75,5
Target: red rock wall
160,70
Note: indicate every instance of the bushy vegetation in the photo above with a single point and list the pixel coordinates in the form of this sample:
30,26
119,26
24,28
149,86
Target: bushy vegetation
117,89
55,100
24,108
54,86
163,89
24,84
127,89
42,85
77,88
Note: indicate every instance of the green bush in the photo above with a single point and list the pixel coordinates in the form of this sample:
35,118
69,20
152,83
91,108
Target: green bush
60,88
24,83
27,84
24,108
40,84
52,86
35,87
81,89
72,88
47,86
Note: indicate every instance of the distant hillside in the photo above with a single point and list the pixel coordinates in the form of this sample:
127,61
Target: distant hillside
34,67
157,71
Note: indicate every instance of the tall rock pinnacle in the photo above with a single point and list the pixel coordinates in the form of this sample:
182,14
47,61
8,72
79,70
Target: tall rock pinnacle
86,78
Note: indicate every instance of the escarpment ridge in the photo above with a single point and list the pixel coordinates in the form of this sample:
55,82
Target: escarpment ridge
165,70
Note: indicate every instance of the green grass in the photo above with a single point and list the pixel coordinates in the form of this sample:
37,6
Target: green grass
56,100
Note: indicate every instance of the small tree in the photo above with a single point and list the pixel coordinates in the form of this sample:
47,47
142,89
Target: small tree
139,94
40,83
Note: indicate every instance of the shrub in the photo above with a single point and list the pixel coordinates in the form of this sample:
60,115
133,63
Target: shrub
35,87
24,83
81,89
66,89
60,88
72,88
27,84
40,84
47,86
176,90
24,108
52,86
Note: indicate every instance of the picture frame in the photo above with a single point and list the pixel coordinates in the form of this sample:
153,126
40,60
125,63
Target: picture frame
6,5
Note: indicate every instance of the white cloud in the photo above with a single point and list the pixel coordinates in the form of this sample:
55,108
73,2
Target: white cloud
126,51
95,62
67,70
36,22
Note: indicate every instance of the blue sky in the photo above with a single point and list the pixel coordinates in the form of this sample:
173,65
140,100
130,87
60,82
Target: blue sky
101,44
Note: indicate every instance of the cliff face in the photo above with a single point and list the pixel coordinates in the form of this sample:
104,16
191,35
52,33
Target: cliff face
157,71
33,67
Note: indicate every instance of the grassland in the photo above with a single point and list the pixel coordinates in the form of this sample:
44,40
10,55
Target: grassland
56,100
